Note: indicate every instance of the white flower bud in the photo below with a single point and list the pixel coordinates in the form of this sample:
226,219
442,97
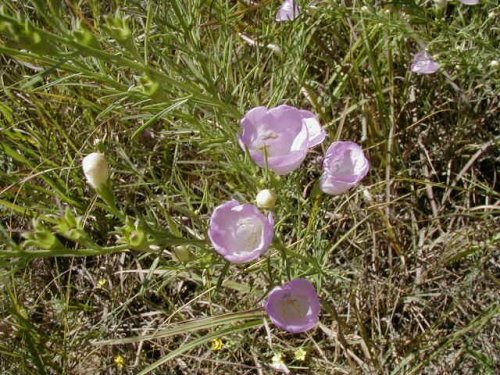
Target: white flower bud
266,199
96,169
274,47
367,196
494,63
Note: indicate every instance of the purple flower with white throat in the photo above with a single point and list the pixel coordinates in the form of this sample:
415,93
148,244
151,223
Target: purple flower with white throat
288,11
423,63
345,165
240,232
280,137
294,306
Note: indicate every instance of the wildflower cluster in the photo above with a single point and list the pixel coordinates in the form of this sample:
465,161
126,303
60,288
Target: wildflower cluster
277,139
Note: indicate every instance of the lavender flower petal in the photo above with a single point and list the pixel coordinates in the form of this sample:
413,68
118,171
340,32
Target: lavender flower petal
345,165
316,133
423,63
288,11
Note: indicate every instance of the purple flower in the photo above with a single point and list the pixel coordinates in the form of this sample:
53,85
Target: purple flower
469,2
281,135
423,63
294,306
240,232
345,165
288,11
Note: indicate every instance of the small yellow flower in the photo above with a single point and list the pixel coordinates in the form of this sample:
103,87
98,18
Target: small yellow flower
300,354
217,344
119,361
101,283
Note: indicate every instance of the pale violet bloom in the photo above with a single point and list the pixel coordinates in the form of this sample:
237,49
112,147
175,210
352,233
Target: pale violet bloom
96,170
423,63
280,137
345,165
469,2
294,307
240,232
288,11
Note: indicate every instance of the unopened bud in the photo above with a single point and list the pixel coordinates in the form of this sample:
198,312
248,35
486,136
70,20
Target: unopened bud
96,169
274,47
266,199
441,4
367,196
138,240
182,253
85,37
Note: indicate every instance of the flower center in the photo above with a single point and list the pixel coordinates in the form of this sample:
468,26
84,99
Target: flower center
248,234
294,308
351,163
264,141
